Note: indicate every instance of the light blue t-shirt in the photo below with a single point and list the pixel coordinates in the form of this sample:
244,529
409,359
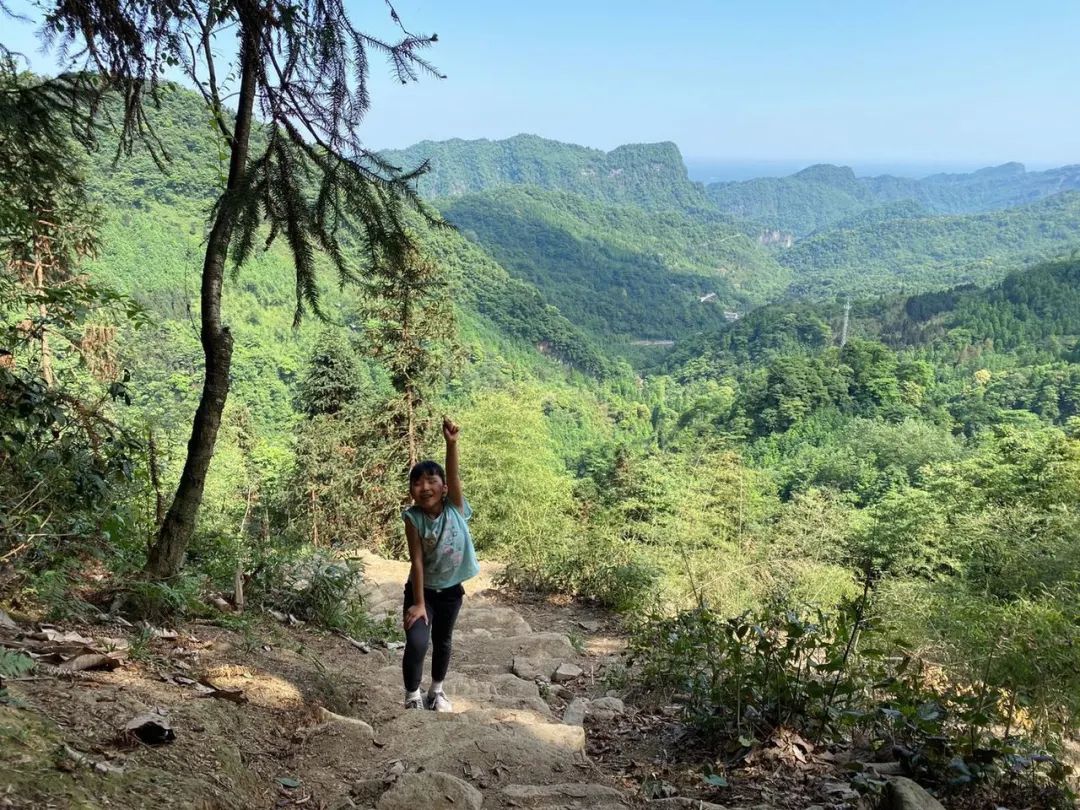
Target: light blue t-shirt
449,556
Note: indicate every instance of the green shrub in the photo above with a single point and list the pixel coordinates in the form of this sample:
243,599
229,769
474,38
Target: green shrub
159,602
828,674
613,572
316,588
748,675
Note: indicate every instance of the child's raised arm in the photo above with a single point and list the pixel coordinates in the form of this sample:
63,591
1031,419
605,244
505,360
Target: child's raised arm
453,480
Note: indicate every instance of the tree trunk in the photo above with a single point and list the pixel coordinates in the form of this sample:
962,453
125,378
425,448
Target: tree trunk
46,351
155,479
167,554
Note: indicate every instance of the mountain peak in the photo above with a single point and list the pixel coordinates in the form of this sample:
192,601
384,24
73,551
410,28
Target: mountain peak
828,173
1004,170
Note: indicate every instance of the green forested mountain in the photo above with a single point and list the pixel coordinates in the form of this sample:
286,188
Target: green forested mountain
616,269
155,229
821,196
967,357
652,176
582,235
898,248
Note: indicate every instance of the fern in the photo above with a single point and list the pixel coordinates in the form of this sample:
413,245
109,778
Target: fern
14,664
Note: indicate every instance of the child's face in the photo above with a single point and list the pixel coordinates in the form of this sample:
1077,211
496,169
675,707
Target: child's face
428,492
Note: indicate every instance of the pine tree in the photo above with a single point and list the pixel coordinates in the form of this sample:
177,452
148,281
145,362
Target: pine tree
332,381
47,224
410,331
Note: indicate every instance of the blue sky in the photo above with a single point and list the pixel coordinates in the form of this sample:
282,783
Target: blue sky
952,83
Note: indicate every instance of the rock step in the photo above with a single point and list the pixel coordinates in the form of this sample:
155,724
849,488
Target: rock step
431,789
501,690
565,796
499,652
523,745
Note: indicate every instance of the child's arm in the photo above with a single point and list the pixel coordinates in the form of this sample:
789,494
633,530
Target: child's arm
453,480
418,611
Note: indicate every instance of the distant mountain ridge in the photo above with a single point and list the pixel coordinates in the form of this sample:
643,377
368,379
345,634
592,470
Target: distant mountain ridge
823,195
652,176
901,245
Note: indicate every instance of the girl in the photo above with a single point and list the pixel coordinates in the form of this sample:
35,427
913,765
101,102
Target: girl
442,556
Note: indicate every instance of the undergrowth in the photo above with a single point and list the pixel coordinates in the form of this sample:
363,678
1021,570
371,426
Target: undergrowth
836,676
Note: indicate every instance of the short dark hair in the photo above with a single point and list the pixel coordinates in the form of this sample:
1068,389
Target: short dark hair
426,468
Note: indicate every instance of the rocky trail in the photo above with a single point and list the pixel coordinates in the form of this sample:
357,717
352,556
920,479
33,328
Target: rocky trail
290,717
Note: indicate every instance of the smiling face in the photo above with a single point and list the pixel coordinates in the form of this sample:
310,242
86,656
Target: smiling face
428,492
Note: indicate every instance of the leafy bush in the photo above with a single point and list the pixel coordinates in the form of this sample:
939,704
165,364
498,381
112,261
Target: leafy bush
158,601
830,673
613,572
748,675
319,589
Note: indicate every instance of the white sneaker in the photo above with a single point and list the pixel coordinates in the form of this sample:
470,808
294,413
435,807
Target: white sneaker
415,702
438,702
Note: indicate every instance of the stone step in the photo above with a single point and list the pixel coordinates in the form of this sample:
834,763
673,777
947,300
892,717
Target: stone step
565,796
523,744
467,691
497,653
498,621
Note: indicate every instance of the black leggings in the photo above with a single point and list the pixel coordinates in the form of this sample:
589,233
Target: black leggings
442,611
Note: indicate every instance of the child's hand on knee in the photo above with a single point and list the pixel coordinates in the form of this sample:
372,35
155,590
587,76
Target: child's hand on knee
413,614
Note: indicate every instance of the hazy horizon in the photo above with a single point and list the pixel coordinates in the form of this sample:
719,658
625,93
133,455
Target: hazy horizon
715,170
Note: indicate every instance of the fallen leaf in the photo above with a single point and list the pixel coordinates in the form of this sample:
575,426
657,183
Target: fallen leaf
71,637
288,781
151,728
6,622
233,695
90,661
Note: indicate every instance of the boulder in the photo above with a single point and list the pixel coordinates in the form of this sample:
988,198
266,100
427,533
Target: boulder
575,712
606,708
529,669
567,672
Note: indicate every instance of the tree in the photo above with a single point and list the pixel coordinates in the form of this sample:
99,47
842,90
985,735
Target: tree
332,380
410,331
46,222
302,67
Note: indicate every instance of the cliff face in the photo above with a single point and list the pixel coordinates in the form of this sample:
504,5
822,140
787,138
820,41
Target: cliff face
651,176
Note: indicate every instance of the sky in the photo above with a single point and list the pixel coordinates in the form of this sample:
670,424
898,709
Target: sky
773,83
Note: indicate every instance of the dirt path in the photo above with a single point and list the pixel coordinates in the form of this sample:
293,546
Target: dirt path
321,723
